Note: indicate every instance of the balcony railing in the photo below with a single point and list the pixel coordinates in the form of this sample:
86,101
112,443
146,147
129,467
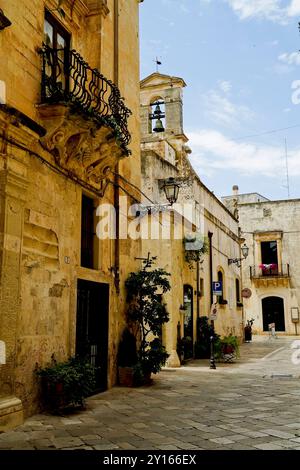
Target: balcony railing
66,77
270,270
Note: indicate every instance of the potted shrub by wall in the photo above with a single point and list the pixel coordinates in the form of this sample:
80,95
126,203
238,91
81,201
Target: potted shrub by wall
146,314
227,348
66,383
127,359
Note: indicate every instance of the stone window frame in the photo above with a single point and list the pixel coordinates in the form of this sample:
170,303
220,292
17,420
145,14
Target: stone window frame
270,236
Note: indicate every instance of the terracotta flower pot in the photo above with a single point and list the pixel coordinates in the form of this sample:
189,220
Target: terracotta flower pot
126,376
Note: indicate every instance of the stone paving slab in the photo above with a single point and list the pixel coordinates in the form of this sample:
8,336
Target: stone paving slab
191,408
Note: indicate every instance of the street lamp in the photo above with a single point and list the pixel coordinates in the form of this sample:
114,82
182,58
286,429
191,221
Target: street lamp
237,261
171,189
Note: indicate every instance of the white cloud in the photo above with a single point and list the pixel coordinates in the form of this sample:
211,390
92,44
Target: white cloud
273,43
214,152
220,109
225,86
291,59
265,9
294,8
274,10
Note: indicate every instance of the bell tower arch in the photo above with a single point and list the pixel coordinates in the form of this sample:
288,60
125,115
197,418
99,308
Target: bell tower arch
167,91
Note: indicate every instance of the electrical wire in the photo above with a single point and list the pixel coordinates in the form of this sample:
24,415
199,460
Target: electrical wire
273,131
133,185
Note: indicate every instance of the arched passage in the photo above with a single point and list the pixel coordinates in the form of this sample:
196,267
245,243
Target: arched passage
273,312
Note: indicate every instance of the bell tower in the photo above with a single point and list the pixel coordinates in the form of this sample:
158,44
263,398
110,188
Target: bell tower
162,106
162,119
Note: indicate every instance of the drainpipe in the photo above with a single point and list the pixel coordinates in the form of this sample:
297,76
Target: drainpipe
116,177
241,287
198,300
198,289
210,235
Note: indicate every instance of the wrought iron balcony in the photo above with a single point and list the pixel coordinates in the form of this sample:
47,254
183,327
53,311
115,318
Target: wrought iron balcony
264,271
67,78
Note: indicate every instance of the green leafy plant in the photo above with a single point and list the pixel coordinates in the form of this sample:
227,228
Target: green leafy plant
154,357
147,313
228,345
67,383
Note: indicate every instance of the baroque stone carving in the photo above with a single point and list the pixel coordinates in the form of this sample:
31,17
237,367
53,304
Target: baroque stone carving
79,145
98,6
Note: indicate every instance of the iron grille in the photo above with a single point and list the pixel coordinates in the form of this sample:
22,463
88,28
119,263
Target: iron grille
270,270
66,77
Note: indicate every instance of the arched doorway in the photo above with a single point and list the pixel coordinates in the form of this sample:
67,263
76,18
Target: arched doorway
273,312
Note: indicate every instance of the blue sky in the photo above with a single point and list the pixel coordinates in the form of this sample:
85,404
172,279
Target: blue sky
240,60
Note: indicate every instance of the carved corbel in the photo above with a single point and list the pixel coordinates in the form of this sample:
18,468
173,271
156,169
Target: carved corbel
79,145
105,158
98,6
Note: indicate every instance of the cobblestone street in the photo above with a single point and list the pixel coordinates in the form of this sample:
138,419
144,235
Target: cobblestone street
253,404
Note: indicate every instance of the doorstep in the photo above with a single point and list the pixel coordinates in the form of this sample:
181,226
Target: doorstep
11,413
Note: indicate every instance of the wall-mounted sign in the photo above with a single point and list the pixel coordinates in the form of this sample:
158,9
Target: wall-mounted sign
246,293
295,314
217,288
213,312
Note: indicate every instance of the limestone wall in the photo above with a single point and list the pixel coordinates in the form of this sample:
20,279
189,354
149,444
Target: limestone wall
40,208
282,219
199,206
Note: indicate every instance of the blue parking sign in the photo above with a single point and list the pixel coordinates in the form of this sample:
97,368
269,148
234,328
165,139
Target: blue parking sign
217,288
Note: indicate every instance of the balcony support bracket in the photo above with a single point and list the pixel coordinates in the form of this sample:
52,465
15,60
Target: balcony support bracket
79,145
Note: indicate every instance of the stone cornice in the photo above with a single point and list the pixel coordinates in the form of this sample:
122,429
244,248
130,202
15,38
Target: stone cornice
81,8
221,226
17,117
97,7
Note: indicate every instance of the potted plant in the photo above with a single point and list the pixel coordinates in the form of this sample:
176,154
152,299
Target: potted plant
248,330
66,383
146,315
127,359
227,348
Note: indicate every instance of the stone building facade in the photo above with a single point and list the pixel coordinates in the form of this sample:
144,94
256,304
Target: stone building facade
65,148
166,154
271,230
